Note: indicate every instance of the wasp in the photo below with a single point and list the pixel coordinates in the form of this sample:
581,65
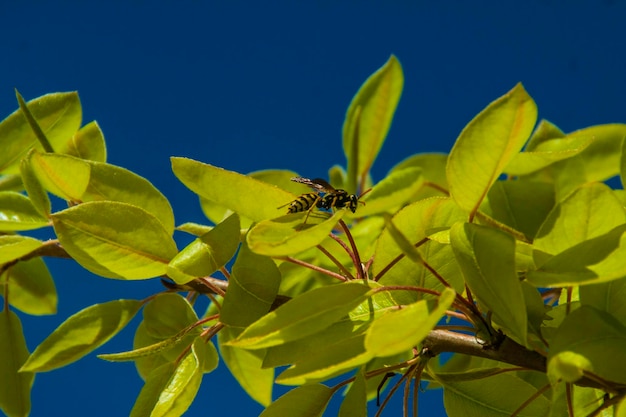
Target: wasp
324,197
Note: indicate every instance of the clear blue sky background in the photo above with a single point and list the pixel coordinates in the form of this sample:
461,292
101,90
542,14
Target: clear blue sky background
255,85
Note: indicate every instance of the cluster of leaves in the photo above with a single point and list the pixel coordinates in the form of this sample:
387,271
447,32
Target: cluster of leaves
507,252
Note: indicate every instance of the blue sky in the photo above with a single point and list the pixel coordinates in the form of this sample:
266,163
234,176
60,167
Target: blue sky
249,86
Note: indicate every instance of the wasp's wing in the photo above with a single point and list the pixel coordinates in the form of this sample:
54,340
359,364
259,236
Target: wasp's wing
317,184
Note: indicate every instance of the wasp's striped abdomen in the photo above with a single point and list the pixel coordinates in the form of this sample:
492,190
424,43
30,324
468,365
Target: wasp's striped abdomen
304,203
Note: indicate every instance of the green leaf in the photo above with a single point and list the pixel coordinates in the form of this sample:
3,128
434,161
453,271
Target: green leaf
15,387
496,396
63,175
143,341
206,254
522,205
244,195
80,180
305,401
253,283
115,240
433,166
245,366
17,213
546,153
354,403
401,330
13,247
417,222
590,211
167,314
487,259
288,235
183,384
58,115
36,192
306,314
593,261
155,384
393,191
369,117
88,143
487,144
601,159
592,335
327,362
31,288
80,334
608,297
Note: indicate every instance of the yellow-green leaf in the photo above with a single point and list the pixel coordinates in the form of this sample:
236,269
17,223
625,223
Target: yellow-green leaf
401,330
288,235
31,288
242,194
369,117
253,283
18,213
306,401
58,115
80,334
207,253
487,144
311,312
246,366
115,240
15,386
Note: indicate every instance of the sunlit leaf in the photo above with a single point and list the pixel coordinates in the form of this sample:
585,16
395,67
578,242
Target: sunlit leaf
182,386
245,366
593,261
590,211
433,166
167,314
417,222
36,192
354,403
80,334
288,235
31,288
403,329
487,259
115,240
595,336
244,195
80,180
487,144
64,176
305,401
307,314
18,213
156,382
608,297
393,191
522,205
15,387
87,143
372,110
546,153
207,253
58,115
496,396
13,247
253,283
327,362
